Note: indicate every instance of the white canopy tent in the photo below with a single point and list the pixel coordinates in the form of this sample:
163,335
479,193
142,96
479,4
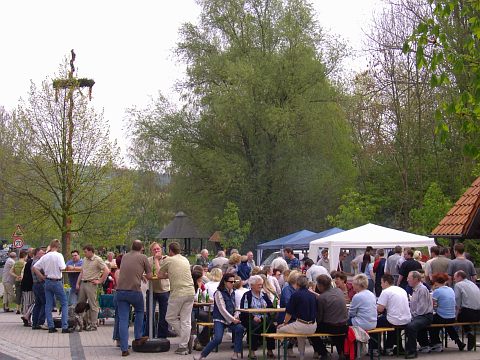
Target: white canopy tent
376,236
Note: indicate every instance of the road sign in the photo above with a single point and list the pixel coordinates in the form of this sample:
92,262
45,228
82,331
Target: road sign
17,242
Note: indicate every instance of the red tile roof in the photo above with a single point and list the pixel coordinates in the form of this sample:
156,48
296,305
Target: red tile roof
462,221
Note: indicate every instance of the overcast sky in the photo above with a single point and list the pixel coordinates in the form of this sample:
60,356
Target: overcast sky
125,46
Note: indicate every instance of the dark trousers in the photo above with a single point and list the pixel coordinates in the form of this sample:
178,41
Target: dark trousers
468,315
201,316
38,313
382,322
414,333
162,326
257,339
434,333
318,344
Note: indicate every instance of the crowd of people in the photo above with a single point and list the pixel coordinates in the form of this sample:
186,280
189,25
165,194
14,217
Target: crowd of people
402,289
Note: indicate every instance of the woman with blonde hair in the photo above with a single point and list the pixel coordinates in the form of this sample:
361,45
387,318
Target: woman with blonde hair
214,276
233,263
268,288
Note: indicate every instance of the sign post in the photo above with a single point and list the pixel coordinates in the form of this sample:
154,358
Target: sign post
17,239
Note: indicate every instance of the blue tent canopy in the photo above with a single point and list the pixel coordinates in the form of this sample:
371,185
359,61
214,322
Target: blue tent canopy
288,239
304,242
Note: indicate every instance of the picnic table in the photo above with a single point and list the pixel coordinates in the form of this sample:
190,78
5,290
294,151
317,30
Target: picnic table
263,311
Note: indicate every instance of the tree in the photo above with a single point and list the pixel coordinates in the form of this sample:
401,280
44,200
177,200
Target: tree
55,180
233,234
356,210
447,43
434,207
263,126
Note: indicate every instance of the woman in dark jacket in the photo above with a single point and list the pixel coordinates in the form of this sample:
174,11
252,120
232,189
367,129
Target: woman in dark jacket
257,299
224,315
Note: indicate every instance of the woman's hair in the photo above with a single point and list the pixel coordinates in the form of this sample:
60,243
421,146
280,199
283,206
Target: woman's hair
365,262
255,279
256,270
302,281
152,245
292,278
361,280
267,286
238,282
224,278
196,275
417,255
235,259
440,278
215,274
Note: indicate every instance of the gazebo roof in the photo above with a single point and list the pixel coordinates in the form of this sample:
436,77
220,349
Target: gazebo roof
463,219
215,237
181,227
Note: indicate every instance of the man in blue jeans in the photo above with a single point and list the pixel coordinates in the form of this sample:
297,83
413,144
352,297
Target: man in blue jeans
52,264
134,265
38,288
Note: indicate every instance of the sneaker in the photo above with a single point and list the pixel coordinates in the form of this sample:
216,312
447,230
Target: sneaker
424,349
436,348
91,328
44,327
125,353
52,330
181,351
461,345
36,327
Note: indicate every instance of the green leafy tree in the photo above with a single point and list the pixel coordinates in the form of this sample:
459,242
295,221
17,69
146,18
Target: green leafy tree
233,234
447,43
433,209
356,210
264,124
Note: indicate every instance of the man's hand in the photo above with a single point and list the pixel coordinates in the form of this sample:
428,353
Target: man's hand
77,286
236,321
96,281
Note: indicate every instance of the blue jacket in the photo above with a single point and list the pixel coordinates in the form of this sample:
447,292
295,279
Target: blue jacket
229,300
244,271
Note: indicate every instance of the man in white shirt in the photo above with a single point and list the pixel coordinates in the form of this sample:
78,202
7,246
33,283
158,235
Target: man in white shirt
313,271
324,261
52,264
394,300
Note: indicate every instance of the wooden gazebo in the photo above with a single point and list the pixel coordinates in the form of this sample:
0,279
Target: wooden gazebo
181,227
463,219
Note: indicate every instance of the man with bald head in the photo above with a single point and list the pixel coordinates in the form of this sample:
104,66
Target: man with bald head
134,265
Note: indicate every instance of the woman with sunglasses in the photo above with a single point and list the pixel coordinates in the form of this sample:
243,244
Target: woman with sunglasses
224,315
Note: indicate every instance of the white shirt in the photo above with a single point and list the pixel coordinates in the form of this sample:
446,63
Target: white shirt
211,287
395,300
315,270
52,264
238,296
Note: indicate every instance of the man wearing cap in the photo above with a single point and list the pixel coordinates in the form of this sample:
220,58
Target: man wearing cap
52,264
8,282
94,272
